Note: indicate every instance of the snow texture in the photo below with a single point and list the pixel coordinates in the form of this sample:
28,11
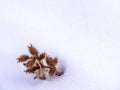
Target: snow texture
83,34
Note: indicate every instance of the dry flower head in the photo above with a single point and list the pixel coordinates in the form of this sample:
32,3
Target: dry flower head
34,64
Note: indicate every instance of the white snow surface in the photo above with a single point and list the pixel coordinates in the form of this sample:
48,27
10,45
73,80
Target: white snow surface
83,34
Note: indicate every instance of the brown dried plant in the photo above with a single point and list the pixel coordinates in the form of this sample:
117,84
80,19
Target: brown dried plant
52,64
36,64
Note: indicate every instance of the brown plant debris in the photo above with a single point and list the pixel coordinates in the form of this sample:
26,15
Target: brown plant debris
36,64
22,58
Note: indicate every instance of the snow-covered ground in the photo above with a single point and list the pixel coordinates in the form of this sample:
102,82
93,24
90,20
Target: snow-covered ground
83,34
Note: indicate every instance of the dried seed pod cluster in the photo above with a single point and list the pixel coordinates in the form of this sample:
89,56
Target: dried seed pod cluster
36,64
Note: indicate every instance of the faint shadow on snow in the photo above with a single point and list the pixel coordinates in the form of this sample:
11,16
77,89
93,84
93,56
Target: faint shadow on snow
62,66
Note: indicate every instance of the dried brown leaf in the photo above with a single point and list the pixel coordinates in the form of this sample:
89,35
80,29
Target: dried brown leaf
32,50
51,61
52,72
55,60
32,69
22,58
29,63
59,73
42,55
